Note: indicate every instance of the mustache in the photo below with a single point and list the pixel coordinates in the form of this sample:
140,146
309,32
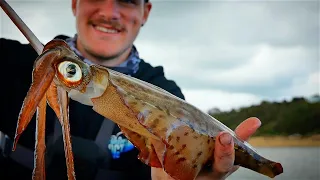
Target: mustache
109,22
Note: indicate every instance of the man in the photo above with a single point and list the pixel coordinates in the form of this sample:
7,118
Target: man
106,30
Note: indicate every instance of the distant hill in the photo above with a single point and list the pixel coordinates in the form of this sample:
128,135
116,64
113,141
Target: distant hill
298,116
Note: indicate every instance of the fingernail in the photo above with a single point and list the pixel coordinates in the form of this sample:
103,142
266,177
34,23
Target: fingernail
225,139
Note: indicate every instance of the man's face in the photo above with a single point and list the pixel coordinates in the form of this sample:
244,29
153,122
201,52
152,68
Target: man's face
107,28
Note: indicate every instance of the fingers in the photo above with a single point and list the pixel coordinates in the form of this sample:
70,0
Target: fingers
223,155
247,128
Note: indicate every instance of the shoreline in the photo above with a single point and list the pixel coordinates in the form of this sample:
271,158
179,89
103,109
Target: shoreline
285,141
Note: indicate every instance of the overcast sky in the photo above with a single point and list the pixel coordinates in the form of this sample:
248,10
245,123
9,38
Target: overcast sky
224,54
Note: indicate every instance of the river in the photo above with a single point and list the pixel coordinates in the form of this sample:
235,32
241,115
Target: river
298,164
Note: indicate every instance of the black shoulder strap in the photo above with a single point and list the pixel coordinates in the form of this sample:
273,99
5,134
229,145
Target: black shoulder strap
101,140
102,137
57,130
105,133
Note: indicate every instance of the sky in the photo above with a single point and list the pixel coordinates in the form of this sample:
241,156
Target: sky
222,54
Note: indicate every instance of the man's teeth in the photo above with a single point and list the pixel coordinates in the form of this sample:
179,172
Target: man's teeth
106,30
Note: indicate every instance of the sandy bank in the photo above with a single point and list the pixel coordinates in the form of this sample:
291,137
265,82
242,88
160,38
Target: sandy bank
283,141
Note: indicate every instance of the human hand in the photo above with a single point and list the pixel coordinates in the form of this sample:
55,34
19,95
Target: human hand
224,153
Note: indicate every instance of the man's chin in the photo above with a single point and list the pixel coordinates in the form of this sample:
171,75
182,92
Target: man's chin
103,55
106,51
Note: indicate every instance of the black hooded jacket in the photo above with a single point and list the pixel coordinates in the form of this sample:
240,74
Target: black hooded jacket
16,76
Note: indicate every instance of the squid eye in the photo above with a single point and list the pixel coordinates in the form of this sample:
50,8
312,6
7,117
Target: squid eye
70,70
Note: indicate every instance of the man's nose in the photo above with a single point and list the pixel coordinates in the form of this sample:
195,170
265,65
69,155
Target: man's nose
110,9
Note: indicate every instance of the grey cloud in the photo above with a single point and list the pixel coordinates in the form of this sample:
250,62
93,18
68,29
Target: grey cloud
45,18
275,89
244,25
240,23
274,85
207,36
270,89
204,22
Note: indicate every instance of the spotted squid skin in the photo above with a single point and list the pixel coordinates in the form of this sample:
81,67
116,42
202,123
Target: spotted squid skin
184,135
147,154
156,120
178,158
169,142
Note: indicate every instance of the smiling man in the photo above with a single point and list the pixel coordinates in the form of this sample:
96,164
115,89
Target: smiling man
106,31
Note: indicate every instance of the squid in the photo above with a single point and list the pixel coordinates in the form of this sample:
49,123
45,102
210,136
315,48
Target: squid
169,132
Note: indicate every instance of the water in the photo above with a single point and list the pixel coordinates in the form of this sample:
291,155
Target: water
298,164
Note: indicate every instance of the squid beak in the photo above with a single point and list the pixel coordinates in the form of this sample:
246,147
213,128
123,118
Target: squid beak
42,76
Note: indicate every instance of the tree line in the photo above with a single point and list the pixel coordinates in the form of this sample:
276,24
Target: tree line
298,116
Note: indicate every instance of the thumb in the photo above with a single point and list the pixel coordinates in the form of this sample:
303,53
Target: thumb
247,128
223,155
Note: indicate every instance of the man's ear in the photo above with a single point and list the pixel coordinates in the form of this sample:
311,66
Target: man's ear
74,6
147,9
